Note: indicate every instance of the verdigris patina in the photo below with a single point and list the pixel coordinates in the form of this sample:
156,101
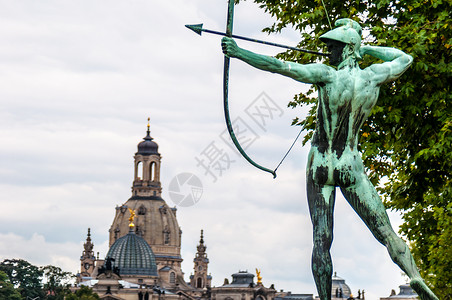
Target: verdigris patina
346,95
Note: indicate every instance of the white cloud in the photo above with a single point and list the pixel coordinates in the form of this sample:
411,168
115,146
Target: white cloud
38,251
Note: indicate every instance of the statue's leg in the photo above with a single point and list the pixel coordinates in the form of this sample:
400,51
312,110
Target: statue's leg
321,206
365,200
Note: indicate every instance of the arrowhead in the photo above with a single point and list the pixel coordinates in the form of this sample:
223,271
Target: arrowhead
196,28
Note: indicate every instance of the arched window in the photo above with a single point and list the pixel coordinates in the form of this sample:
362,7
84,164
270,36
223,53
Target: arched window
152,171
139,170
172,277
142,210
199,283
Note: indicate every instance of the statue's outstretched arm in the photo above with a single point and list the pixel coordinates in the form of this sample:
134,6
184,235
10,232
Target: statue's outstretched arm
395,62
309,73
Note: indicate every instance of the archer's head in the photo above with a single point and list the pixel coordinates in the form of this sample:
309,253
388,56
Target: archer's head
343,41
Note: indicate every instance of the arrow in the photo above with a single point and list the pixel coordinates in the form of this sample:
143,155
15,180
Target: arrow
198,29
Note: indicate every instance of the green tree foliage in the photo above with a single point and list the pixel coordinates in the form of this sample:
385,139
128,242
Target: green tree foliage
7,290
47,282
24,276
84,293
56,282
408,137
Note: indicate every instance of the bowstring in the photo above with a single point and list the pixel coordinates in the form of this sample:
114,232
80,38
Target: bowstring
287,153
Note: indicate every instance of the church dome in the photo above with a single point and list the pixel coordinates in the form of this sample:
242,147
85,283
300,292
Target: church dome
133,256
148,146
340,287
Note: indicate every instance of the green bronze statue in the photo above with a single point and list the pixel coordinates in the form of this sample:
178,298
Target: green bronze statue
346,96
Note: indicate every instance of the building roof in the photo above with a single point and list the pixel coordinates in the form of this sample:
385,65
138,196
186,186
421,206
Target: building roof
132,255
148,146
406,292
338,284
241,279
296,297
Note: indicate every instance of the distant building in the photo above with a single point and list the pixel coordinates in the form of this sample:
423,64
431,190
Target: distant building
243,287
406,293
290,296
144,259
340,290
200,279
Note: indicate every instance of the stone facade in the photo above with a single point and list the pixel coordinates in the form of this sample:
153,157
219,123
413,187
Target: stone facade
156,223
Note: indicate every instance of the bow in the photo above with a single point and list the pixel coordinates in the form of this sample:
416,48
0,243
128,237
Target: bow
225,96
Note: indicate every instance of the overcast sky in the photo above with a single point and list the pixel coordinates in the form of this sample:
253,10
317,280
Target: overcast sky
78,80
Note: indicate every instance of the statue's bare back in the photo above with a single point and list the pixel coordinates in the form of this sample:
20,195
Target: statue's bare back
343,106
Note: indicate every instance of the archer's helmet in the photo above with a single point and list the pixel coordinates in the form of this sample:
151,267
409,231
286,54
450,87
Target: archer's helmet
347,31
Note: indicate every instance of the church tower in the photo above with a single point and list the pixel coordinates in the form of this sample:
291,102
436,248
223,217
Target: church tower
87,259
146,182
155,221
200,279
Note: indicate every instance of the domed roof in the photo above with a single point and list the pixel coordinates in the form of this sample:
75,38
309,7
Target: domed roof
148,146
242,277
133,256
338,285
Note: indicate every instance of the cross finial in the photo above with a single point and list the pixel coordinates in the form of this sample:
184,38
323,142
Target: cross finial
149,131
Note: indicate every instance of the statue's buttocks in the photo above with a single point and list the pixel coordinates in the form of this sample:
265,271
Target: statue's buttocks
329,169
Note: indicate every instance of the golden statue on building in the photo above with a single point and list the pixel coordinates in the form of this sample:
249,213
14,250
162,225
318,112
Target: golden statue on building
259,277
132,216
